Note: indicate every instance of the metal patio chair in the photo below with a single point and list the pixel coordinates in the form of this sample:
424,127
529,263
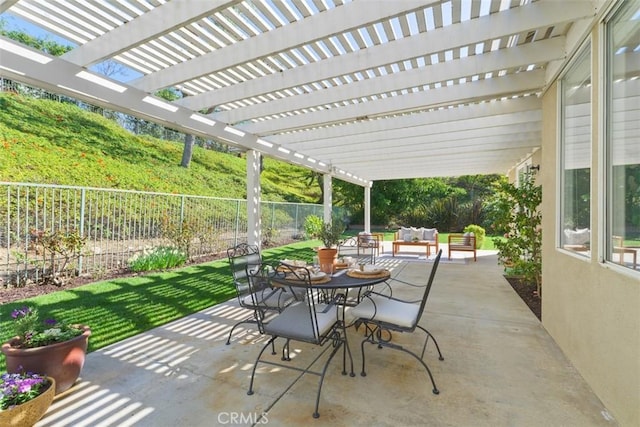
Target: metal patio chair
253,292
312,320
386,314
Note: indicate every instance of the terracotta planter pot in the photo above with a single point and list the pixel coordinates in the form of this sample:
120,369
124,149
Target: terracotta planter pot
28,413
327,256
62,361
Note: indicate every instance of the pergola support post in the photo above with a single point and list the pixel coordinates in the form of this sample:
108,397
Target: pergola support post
253,198
328,197
367,208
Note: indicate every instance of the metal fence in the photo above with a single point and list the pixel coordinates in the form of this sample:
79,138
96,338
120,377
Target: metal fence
115,225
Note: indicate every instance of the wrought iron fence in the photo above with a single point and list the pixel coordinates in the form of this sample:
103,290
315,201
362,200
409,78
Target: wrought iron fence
115,225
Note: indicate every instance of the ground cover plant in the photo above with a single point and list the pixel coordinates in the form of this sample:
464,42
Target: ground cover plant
43,141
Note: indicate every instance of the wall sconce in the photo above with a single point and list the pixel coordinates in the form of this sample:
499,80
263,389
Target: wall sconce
534,168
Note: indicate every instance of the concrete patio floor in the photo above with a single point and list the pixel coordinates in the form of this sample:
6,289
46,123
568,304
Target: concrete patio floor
501,368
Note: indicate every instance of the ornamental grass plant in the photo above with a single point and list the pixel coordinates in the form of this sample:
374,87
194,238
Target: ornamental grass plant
160,258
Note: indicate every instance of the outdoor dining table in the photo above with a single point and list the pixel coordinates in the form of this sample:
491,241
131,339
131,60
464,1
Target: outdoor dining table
339,285
342,280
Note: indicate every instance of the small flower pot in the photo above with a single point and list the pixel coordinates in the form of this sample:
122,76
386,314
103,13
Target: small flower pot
328,257
28,413
62,361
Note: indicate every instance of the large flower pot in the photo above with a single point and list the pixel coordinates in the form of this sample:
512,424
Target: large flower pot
63,361
327,256
28,413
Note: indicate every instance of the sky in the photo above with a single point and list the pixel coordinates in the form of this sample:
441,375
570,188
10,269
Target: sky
14,23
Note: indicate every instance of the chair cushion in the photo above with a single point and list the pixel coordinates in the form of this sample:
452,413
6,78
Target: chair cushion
467,238
382,309
269,298
417,233
295,322
365,237
429,233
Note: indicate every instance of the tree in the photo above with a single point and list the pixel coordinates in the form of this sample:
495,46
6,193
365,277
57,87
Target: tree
43,44
516,211
188,150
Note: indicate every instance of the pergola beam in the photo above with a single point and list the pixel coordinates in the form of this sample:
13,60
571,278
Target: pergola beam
457,94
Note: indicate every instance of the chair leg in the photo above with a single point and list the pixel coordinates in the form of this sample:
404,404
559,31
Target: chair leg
255,365
424,347
247,320
285,351
316,414
382,343
368,337
397,347
346,350
363,373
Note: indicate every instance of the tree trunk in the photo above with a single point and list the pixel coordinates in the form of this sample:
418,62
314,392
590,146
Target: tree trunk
188,150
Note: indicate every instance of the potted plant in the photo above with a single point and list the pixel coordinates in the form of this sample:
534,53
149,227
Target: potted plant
48,347
330,235
24,398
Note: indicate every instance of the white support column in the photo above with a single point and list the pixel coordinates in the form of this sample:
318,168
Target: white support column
367,208
328,197
254,225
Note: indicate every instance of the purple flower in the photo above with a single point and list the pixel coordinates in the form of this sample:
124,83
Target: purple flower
16,389
50,322
20,312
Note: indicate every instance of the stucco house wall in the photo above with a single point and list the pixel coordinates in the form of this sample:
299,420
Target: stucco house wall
591,308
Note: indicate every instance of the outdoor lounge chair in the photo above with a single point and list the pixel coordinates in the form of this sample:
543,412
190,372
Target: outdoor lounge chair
385,314
254,293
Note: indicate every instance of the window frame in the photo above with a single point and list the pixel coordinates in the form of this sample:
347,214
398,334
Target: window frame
584,50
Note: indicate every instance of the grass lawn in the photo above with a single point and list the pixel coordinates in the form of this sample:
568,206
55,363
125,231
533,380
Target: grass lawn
120,308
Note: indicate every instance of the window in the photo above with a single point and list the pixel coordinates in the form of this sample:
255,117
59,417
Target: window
622,139
575,156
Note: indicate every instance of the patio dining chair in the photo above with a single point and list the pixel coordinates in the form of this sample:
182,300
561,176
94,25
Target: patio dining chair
254,293
386,314
312,320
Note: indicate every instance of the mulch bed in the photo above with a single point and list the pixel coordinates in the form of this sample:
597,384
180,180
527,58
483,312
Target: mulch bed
10,294
527,291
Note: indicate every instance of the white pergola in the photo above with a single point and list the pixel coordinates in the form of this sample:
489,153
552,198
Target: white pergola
360,90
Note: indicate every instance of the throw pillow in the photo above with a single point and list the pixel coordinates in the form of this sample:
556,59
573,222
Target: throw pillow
405,234
416,233
429,234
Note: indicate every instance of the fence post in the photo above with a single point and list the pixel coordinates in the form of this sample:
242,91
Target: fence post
273,216
182,200
83,199
237,227
297,222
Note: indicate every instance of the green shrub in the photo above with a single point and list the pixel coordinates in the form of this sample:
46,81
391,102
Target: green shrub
160,258
478,232
519,215
313,226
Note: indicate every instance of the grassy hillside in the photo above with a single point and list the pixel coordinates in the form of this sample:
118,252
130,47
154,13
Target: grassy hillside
50,142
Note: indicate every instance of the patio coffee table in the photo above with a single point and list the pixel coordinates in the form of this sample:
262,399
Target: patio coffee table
397,243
